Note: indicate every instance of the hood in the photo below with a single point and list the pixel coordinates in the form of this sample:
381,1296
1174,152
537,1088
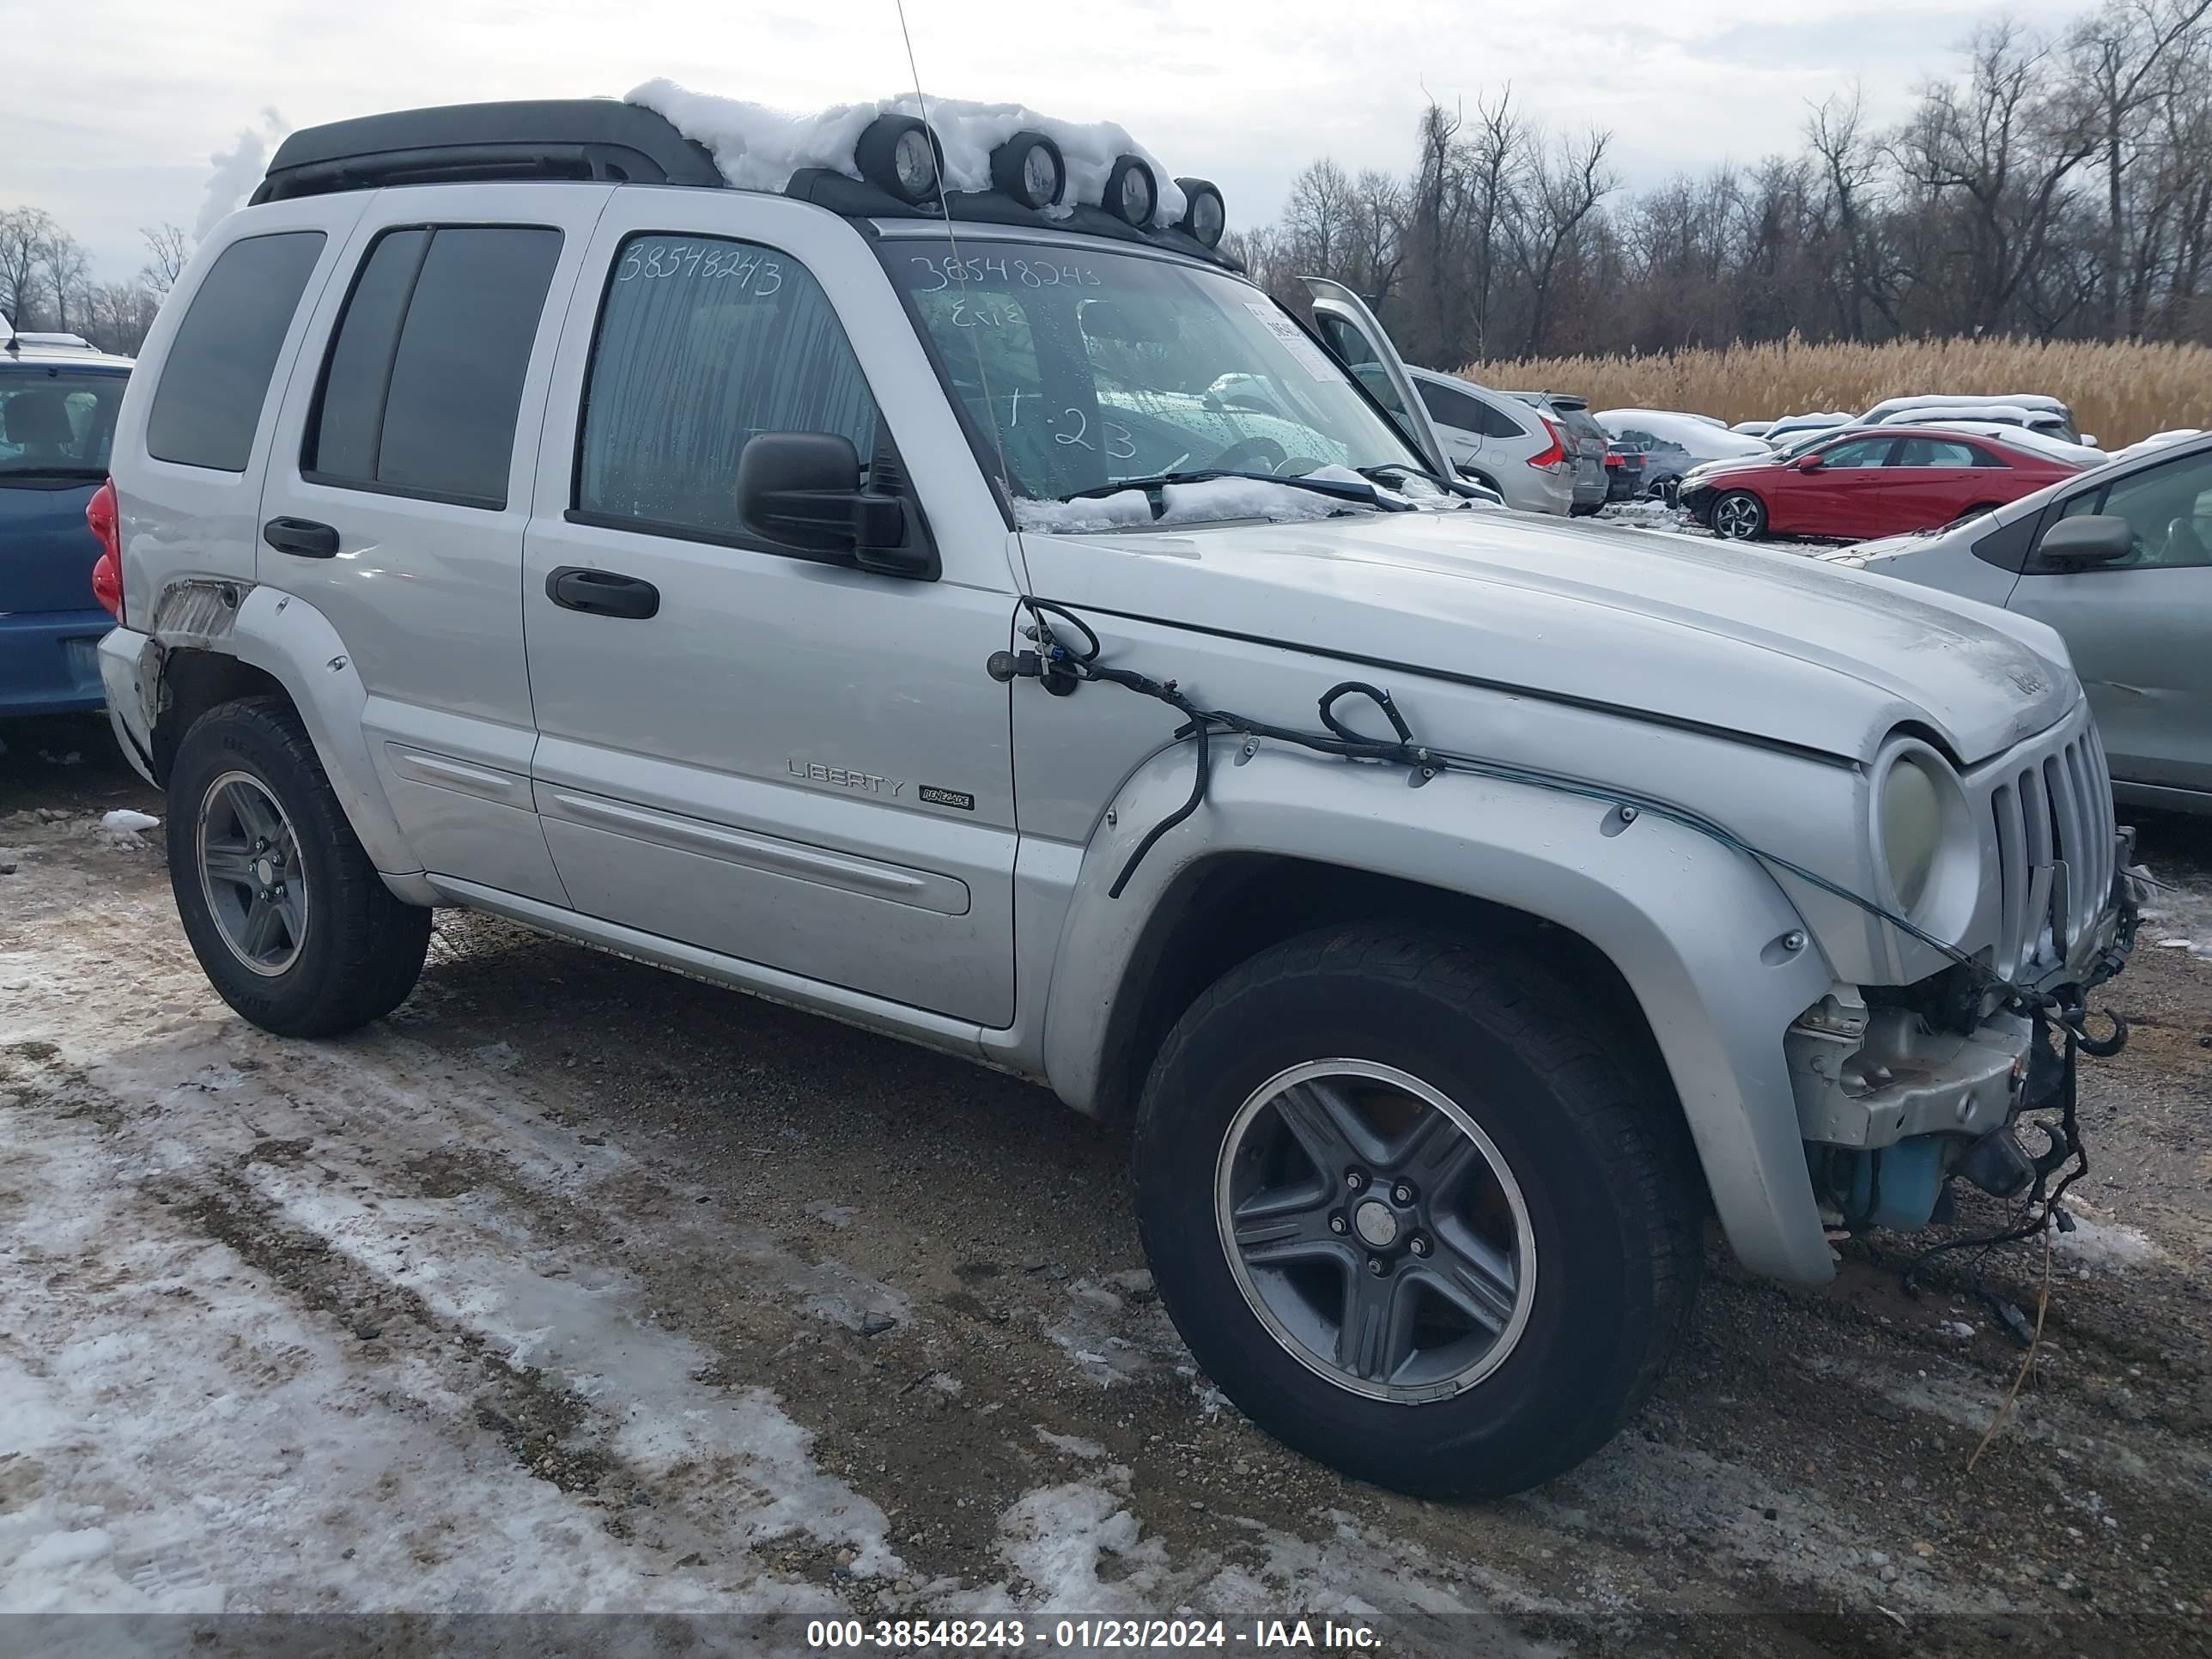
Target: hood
1711,634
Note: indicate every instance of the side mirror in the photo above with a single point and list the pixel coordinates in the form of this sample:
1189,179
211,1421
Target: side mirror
1806,463
2093,539
801,491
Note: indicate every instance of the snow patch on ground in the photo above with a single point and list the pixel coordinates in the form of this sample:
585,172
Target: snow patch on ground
759,147
2108,1245
2176,913
187,1428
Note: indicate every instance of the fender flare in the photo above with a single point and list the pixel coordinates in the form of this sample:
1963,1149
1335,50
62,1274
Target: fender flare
295,644
1698,931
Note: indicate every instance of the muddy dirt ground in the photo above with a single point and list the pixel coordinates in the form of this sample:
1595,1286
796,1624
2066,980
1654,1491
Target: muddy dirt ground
580,1286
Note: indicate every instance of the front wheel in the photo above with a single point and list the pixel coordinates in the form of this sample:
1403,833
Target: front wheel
290,921
1410,1214
1739,516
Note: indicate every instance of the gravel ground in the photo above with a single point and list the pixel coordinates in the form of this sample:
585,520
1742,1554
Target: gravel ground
580,1286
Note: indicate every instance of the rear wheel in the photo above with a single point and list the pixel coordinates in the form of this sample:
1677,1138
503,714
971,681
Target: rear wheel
1410,1214
289,918
1740,516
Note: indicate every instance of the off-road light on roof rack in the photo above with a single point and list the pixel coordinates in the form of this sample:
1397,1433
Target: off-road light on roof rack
1030,168
1131,192
1203,216
898,153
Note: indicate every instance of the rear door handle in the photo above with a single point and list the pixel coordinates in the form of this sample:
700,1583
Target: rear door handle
302,538
602,593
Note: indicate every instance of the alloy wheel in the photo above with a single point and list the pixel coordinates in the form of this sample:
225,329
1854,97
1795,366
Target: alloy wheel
1736,517
251,873
1374,1230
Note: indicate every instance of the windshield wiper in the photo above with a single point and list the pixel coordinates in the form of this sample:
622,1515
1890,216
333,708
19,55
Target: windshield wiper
1342,488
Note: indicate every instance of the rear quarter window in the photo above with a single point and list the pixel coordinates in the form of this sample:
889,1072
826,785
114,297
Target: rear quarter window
216,377
423,380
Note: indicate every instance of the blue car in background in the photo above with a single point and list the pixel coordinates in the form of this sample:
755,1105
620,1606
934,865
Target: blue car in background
58,397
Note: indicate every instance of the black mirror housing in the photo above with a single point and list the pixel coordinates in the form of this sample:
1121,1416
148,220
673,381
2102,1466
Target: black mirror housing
801,493
2093,538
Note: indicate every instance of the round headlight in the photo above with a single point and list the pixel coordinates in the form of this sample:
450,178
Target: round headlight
1203,216
1927,856
1028,167
1911,830
1131,192
898,153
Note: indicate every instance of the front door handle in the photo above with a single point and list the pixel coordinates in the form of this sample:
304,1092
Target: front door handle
602,593
302,537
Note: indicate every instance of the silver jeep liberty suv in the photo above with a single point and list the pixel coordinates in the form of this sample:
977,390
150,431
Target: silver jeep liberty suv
934,588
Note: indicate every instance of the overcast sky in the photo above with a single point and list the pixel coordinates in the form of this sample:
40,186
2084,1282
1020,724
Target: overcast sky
113,108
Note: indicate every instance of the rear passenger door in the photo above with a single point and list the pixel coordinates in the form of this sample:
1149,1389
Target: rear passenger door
399,485
798,764
1932,481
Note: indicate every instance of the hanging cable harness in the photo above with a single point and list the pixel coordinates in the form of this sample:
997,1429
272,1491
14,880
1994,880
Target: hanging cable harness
2050,1083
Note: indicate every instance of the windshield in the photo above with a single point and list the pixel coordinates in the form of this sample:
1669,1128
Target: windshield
1101,366
55,422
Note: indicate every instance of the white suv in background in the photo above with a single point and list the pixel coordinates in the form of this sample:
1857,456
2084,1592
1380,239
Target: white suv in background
1500,443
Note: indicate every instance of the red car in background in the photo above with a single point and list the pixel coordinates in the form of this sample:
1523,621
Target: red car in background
1867,481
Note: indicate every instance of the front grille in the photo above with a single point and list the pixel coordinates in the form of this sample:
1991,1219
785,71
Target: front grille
2052,809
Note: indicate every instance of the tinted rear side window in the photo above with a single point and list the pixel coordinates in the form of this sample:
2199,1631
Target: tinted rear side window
424,377
208,403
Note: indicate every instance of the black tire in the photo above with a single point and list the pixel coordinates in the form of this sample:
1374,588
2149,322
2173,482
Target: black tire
1739,515
1582,510
362,947
1611,1191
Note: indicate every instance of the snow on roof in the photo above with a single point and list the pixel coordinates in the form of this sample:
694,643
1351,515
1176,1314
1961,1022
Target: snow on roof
2019,437
2157,440
1693,432
759,148
1889,406
1996,414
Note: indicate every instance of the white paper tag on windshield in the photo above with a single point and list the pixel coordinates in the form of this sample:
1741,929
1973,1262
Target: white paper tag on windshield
1311,357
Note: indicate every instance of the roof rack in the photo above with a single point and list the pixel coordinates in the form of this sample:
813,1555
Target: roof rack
600,139
575,138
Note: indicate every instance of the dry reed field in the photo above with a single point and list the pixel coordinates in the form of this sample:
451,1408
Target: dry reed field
2121,392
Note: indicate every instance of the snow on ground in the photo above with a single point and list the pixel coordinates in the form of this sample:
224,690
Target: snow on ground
299,1327
2176,913
177,1433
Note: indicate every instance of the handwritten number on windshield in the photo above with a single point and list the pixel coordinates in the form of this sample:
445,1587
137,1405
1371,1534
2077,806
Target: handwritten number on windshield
1082,426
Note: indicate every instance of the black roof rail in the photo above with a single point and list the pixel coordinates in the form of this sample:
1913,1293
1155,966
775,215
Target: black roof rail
574,138
603,140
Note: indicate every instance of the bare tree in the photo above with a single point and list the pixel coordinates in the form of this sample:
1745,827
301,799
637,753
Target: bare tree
24,234
66,270
1565,183
2007,142
168,249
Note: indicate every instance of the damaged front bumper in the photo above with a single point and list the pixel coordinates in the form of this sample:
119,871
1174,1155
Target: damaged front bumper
1891,1101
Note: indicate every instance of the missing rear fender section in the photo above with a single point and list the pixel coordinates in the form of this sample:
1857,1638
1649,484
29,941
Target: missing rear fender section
1227,909
192,680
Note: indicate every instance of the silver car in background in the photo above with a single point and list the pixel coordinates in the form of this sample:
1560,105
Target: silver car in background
2119,562
1587,441
1500,442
